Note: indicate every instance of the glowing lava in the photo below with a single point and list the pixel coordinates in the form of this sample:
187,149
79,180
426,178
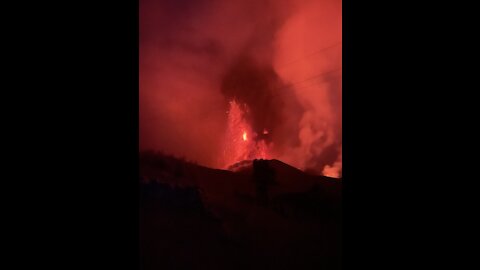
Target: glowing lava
237,145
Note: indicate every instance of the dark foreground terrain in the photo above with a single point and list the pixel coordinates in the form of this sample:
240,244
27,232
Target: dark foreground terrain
266,215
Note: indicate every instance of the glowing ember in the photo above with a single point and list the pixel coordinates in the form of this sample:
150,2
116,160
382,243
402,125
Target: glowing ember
236,150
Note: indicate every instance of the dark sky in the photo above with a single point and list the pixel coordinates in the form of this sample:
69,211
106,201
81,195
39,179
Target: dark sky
280,59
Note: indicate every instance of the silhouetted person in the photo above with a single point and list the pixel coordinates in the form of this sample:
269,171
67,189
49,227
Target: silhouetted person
263,176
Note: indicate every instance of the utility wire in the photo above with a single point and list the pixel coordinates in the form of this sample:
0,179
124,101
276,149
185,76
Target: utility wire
310,54
308,79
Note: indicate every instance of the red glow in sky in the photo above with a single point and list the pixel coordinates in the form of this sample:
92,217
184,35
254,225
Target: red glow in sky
274,65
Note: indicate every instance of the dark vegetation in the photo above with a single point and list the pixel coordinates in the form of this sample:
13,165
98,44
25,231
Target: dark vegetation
269,215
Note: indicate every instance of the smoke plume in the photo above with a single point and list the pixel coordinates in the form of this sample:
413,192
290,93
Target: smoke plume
279,60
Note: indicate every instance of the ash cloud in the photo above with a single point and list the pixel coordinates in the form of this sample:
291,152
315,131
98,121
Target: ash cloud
196,56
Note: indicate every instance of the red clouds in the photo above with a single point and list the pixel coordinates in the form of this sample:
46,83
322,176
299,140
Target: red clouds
282,59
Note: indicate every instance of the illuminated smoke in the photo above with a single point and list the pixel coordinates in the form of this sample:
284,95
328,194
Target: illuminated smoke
278,61
309,58
334,170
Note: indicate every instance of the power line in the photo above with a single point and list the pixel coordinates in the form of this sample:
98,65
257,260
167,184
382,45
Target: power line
311,53
308,79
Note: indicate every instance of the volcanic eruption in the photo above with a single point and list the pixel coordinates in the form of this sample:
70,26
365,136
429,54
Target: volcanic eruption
240,134
226,81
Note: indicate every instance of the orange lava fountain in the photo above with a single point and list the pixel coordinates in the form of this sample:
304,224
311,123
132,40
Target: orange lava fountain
241,141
